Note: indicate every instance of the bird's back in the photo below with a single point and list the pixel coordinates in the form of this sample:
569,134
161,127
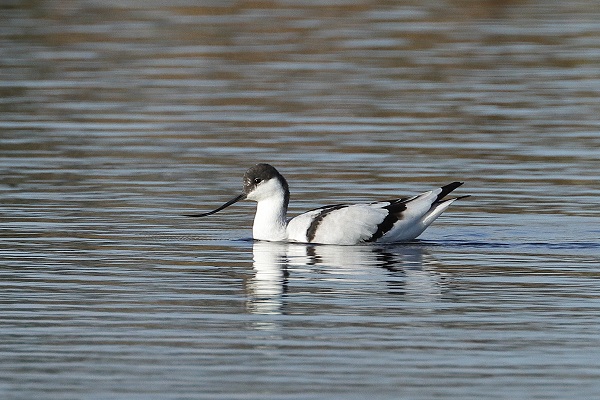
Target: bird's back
388,221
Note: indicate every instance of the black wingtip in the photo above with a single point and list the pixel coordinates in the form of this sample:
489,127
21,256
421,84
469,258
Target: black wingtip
447,189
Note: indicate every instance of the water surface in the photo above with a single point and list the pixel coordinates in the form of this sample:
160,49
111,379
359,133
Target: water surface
117,117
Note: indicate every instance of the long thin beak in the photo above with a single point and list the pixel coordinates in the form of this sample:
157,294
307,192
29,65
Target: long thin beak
230,202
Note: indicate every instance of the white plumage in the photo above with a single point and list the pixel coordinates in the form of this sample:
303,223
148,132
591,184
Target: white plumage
343,224
350,224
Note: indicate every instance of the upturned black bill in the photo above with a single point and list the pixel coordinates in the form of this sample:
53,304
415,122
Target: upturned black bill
230,202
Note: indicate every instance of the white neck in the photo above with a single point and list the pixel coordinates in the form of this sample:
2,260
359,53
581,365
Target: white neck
269,221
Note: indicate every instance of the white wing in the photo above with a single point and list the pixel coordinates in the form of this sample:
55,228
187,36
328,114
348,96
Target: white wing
389,221
342,224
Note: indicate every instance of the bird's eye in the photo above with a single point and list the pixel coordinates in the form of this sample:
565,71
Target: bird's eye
257,181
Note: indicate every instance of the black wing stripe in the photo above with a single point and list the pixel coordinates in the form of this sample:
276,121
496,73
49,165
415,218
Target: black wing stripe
385,225
395,214
314,225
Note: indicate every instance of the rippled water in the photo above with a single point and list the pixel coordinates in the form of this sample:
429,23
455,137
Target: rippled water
117,117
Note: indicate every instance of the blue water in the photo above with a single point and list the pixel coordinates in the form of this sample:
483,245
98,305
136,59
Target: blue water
116,118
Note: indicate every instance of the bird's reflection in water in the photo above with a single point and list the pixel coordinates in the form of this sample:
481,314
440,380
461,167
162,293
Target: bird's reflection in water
269,283
405,270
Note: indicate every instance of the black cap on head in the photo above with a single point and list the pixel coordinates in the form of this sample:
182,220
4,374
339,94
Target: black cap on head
260,173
